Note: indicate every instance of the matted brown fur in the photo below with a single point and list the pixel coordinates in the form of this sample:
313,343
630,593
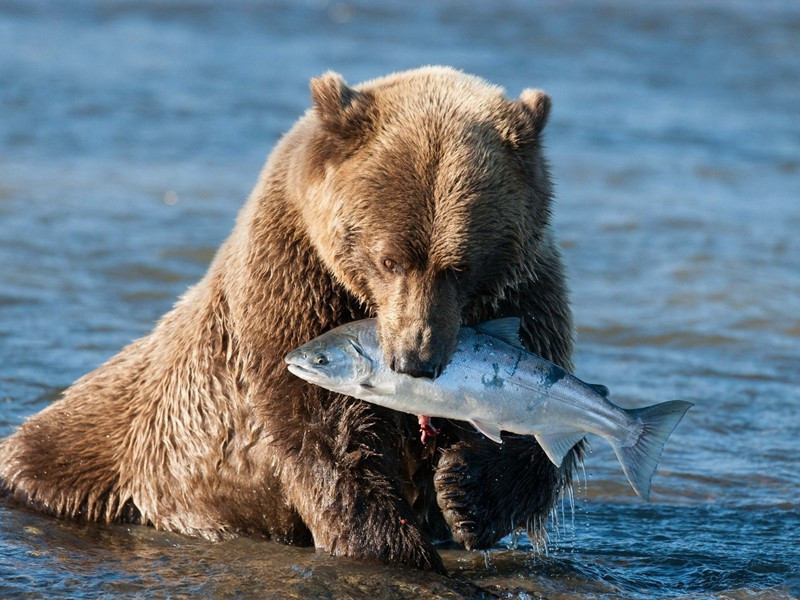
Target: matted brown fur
422,198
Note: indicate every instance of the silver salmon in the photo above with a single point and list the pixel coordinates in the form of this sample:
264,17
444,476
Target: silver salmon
495,384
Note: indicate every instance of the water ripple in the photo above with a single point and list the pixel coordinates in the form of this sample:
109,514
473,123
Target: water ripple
133,131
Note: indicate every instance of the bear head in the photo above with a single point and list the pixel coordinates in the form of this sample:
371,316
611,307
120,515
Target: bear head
430,197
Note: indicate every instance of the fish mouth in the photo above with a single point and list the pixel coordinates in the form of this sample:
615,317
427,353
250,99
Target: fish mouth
296,364
305,373
299,369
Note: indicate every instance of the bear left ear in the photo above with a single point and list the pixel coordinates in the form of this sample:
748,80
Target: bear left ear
340,108
530,117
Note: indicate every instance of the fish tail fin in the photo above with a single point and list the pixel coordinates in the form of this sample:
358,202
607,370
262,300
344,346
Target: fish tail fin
639,460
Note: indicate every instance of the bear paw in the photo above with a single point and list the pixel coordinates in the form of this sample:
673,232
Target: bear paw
487,491
464,498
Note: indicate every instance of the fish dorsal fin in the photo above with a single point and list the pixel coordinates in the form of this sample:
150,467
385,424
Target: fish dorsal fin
599,388
505,329
490,430
556,445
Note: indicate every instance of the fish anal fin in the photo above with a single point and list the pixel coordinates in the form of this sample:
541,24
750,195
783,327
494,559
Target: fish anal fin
556,445
490,430
505,330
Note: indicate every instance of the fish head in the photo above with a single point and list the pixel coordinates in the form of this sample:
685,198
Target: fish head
336,360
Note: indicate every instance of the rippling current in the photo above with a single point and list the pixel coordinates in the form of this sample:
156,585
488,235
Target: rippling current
131,132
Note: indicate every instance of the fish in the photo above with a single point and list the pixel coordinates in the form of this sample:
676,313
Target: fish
494,383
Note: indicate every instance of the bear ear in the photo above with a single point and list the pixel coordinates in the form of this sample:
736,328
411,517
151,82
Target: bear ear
530,114
537,104
340,108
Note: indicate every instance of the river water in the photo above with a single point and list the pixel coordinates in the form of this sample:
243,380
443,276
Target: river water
131,132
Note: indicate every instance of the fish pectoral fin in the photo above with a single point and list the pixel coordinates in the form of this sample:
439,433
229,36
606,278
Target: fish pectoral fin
505,329
490,430
380,390
556,445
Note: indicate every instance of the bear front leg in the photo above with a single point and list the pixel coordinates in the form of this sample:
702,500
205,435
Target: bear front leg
338,474
486,490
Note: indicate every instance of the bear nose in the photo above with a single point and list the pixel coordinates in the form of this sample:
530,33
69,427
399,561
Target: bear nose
416,368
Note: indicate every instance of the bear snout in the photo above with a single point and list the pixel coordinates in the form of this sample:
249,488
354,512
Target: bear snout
412,365
420,355
418,331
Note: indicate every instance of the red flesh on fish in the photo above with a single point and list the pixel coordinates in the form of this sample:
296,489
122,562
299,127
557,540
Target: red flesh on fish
426,429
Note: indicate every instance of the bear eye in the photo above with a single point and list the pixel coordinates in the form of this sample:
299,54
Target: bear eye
320,359
390,265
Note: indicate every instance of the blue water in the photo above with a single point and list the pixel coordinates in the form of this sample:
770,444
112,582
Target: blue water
131,132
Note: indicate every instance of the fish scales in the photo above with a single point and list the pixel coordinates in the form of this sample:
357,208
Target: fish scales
493,382
519,380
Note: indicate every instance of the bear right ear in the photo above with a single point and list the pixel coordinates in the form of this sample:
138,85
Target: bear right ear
341,109
529,116
537,105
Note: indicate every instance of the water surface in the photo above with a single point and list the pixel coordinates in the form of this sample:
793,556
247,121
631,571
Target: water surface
131,132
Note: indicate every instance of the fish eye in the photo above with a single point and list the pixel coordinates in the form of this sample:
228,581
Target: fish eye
320,359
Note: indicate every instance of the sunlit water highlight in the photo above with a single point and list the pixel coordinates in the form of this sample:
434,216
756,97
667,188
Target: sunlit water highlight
130,133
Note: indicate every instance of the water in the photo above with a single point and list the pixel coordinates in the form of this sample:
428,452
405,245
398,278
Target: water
130,133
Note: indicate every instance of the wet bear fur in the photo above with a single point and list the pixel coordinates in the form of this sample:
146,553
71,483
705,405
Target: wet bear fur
422,198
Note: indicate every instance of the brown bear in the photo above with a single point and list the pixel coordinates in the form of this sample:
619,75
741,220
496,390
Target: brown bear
421,198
